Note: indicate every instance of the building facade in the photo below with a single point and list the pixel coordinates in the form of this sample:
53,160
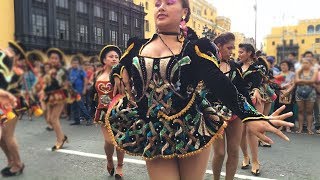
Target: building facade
77,26
240,38
149,23
203,16
7,22
305,36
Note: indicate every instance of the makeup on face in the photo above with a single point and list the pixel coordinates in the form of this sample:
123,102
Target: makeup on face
168,2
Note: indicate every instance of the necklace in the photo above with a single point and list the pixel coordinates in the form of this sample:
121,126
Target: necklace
167,47
170,33
178,83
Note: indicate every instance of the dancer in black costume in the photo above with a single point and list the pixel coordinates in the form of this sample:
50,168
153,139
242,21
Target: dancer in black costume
165,116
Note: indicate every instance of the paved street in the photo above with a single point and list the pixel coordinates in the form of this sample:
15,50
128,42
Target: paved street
83,157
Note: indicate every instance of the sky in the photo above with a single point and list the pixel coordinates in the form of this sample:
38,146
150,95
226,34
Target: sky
270,13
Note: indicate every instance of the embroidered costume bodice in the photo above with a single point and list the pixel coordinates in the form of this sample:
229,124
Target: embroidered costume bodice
10,80
254,75
104,91
172,116
167,87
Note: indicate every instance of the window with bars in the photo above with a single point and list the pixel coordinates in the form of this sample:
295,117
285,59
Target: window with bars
62,29
125,20
39,25
113,16
98,35
114,37
62,3
291,41
147,25
82,7
42,1
82,33
97,11
126,38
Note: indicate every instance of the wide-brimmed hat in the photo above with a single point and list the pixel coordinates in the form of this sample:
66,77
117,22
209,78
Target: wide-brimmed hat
107,49
57,51
18,48
36,55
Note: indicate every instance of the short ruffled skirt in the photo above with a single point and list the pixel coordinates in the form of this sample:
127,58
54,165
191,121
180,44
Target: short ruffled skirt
61,96
266,93
181,135
224,112
56,96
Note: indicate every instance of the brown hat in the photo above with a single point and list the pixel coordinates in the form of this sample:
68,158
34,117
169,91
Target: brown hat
35,55
57,51
18,48
107,49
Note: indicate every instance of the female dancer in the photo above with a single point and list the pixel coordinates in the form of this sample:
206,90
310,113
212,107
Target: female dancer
55,94
225,43
109,56
10,78
7,103
267,93
166,117
45,72
36,61
253,71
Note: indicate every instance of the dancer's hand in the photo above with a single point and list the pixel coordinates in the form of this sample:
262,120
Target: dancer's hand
121,85
257,97
7,99
260,127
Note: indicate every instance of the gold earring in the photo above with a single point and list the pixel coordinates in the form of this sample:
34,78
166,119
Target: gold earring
183,17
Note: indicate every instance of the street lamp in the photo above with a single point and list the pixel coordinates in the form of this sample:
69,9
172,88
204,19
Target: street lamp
208,33
255,24
205,31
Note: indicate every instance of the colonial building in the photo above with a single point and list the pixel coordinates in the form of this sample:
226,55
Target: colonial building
203,18
75,26
240,38
7,22
305,36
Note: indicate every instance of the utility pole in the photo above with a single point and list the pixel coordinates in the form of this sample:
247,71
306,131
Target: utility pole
255,24
283,38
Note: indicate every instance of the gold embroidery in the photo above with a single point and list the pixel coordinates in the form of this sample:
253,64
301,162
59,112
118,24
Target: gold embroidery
205,56
115,74
121,70
255,118
127,51
182,112
212,140
239,72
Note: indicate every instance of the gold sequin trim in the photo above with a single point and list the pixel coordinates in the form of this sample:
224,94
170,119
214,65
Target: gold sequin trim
255,118
205,56
219,134
182,112
121,70
115,74
127,51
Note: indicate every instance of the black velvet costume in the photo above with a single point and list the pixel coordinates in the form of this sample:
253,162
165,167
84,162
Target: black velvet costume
9,80
235,76
173,117
256,77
